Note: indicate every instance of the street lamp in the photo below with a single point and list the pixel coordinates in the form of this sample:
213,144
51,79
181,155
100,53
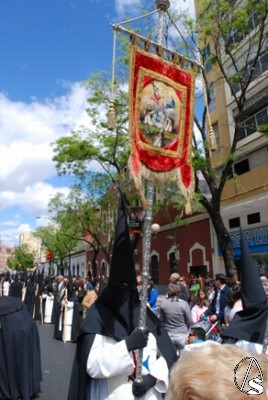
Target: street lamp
155,229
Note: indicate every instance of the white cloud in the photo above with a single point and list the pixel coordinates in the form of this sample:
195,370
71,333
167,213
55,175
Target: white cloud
27,131
123,6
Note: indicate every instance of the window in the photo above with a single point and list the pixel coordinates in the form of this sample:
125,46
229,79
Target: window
234,223
241,167
235,36
217,136
173,267
254,123
212,103
245,69
254,218
207,58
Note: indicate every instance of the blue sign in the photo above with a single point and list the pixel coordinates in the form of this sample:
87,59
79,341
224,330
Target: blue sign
256,239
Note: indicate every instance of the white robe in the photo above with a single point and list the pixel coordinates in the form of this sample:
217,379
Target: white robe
109,364
66,320
48,308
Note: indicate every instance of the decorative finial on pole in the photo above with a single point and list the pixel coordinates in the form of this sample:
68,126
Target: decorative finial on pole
162,4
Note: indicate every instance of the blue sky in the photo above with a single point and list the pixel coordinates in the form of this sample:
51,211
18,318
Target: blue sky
47,48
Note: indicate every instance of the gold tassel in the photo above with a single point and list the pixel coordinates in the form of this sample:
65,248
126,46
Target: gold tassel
188,208
212,139
211,134
111,116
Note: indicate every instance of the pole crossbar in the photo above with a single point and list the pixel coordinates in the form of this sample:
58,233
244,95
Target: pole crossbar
157,45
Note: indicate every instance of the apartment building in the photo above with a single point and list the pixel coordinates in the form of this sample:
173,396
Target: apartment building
34,245
245,196
5,253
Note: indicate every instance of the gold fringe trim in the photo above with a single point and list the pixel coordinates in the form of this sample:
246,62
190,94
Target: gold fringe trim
138,184
163,177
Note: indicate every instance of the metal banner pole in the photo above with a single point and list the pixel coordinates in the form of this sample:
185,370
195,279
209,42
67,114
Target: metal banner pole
162,6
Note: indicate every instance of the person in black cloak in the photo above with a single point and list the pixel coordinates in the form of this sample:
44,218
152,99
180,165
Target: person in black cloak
248,326
104,364
20,359
30,288
38,312
16,287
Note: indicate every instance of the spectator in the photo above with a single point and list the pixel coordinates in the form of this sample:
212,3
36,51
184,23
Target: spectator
200,305
194,287
91,295
211,290
183,282
264,281
176,316
196,335
185,294
209,372
152,297
234,304
219,301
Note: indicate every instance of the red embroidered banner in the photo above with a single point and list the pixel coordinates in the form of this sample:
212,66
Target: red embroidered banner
161,121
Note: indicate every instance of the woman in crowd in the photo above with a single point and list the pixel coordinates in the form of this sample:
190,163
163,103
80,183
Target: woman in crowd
176,316
91,295
234,304
194,287
211,290
152,297
200,305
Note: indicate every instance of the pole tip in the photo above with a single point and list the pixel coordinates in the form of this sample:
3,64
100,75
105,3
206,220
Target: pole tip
162,4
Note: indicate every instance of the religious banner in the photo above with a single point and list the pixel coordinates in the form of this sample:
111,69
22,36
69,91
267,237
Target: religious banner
161,98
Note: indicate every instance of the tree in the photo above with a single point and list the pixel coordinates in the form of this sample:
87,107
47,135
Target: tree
220,27
83,218
22,258
60,243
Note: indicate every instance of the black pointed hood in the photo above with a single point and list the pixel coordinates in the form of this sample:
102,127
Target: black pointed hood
122,269
118,305
252,289
71,292
250,323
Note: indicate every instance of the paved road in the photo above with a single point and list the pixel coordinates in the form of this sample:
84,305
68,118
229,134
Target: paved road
57,359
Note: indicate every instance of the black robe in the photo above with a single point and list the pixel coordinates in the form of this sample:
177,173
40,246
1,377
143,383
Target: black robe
20,358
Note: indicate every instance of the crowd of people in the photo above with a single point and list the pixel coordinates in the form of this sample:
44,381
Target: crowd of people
206,339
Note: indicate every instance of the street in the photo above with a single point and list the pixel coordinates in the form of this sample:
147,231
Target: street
57,358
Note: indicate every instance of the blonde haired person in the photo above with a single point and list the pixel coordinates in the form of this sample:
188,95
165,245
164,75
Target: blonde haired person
209,372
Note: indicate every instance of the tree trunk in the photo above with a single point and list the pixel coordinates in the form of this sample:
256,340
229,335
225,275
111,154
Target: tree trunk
224,240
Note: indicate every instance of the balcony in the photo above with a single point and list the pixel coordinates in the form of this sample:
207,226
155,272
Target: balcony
249,184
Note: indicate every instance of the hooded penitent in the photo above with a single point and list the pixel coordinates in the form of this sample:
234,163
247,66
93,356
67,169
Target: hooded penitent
16,287
20,358
250,323
116,312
